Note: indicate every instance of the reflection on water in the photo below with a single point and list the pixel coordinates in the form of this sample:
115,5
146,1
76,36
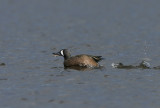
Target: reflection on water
80,68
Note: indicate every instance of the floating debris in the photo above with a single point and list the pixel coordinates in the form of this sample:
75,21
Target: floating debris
2,64
142,65
116,65
24,99
106,76
157,67
122,66
51,100
3,79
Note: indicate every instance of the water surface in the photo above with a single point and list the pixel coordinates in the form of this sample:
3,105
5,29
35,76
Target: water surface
124,31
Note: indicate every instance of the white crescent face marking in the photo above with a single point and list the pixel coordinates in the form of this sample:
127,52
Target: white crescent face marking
62,53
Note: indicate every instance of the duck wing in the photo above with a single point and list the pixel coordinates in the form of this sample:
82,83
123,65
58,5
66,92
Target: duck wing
95,58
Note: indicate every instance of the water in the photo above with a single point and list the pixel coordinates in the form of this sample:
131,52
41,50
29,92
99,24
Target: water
124,31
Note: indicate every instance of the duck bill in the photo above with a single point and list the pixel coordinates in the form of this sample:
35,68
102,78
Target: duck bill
56,54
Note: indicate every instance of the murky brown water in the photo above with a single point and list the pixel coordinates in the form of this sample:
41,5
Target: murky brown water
124,31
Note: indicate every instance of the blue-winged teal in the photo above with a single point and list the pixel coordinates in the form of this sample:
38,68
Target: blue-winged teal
82,60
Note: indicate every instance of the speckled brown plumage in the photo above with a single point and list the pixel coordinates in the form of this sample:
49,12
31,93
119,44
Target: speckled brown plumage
81,60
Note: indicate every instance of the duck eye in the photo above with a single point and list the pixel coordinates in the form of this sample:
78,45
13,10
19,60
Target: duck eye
62,53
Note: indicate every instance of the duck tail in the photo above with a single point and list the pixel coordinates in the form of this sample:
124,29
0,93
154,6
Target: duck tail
97,58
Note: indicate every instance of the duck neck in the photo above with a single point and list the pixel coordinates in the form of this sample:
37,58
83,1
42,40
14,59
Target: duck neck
67,57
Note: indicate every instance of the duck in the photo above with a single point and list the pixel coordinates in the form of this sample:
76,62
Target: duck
82,60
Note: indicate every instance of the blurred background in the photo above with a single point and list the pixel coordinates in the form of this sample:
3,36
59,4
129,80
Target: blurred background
126,31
